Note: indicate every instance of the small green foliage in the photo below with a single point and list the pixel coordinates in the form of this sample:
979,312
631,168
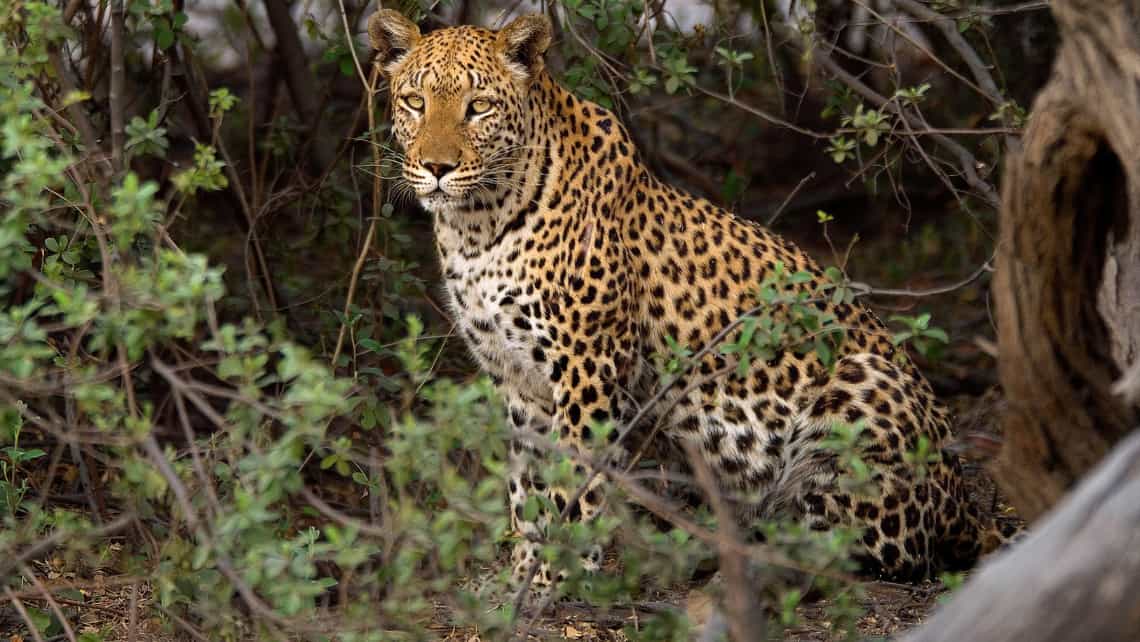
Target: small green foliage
845,441
166,23
221,101
339,54
869,124
840,99
732,61
583,78
14,486
734,185
679,74
206,174
641,80
670,626
791,319
925,339
791,600
146,137
613,20
841,148
922,457
676,361
732,58
952,582
913,95
133,209
1010,114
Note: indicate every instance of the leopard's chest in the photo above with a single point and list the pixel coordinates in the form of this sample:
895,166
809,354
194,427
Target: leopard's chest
500,314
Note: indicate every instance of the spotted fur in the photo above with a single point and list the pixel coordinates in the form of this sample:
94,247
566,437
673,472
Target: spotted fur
567,265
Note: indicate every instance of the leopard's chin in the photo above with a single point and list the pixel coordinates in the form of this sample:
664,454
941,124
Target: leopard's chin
439,202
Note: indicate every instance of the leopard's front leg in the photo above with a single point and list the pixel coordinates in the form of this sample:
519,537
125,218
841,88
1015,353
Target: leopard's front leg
530,426
587,392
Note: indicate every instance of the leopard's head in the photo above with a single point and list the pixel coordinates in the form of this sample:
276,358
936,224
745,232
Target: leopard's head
460,102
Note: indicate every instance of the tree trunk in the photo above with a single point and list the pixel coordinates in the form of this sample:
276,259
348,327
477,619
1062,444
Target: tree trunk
1068,272
1075,577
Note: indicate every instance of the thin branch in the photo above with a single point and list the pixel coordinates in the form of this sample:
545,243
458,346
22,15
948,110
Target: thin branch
223,562
950,32
19,606
377,200
862,289
745,617
75,111
58,537
993,96
186,627
761,114
967,163
784,205
327,510
52,604
118,82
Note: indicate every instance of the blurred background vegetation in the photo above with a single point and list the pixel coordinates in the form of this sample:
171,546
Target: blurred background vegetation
230,403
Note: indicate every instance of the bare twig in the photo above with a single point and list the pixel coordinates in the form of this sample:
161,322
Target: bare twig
75,111
967,163
118,73
52,604
862,289
327,510
745,616
133,618
788,199
377,201
993,95
58,537
761,114
19,606
223,562
950,32
186,627
195,456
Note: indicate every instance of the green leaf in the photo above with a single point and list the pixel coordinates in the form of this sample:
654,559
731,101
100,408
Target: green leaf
823,351
164,38
371,345
938,334
531,508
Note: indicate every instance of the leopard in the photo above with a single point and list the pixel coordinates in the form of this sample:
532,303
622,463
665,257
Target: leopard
570,268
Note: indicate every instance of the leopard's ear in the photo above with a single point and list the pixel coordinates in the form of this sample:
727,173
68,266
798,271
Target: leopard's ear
392,35
523,42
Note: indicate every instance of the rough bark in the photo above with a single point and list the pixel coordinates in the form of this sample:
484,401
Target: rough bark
1068,277
1075,577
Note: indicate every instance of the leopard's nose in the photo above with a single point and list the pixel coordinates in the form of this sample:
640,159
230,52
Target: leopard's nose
439,169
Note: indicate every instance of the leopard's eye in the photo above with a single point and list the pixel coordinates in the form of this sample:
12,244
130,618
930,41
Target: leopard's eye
414,102
479,106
